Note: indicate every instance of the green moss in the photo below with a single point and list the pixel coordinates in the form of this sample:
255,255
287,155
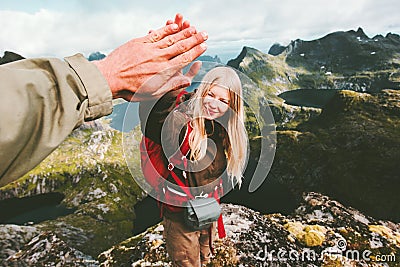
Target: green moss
314,81
392,237
88,234
137,248
309,235
224,254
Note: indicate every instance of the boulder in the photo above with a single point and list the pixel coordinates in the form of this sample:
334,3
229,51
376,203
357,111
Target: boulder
320,232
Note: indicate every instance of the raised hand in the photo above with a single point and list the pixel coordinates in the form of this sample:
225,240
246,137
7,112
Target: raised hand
147,64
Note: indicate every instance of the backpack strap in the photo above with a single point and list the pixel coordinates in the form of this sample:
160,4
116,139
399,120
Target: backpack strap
220,225
179,157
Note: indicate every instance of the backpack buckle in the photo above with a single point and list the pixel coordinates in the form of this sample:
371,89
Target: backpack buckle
170,166
202,195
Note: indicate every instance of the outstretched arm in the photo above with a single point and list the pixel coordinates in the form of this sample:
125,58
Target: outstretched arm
43,100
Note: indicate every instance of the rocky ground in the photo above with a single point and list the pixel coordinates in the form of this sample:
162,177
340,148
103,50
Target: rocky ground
320,232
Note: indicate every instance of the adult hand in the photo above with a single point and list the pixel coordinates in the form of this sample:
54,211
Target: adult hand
146,64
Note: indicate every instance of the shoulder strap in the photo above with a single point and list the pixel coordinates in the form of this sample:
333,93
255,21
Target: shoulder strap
180,154
185,143
180,157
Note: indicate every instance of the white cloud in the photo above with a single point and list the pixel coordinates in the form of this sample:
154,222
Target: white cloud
56,33
88,26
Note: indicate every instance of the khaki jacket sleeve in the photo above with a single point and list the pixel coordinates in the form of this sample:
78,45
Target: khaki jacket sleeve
41,102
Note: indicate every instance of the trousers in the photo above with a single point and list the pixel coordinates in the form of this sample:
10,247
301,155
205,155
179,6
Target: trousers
186,247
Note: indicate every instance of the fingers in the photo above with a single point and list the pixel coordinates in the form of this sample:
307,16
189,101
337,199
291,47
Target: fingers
185,25
157,35
169,22
194,44
185,58
179,20
174,38
194,69
175,83
171,27
179,81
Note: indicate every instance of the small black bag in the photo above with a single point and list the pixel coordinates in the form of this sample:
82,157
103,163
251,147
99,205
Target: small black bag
200,213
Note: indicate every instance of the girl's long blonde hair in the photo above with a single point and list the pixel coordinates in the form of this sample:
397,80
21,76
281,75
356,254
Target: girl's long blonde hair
236,145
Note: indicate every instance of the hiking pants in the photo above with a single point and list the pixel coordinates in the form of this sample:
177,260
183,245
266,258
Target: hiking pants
186,247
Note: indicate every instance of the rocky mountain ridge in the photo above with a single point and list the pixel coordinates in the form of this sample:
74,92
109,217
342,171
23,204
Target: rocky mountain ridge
346,52
340,60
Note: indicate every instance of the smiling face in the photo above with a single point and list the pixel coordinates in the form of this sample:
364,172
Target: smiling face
216,102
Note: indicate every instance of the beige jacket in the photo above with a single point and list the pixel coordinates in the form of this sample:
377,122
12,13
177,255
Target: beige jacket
41,102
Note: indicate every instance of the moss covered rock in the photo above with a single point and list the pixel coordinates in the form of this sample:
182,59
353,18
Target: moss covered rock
321,232
90,171
349,152
309,235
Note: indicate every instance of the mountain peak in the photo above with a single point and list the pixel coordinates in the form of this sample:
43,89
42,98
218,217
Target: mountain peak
246,52
10,57
234,63
276,49
360,32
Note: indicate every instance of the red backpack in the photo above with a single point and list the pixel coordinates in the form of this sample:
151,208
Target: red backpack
153,165
156,172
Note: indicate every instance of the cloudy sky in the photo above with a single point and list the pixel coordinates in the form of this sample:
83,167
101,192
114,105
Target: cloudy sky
60,28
